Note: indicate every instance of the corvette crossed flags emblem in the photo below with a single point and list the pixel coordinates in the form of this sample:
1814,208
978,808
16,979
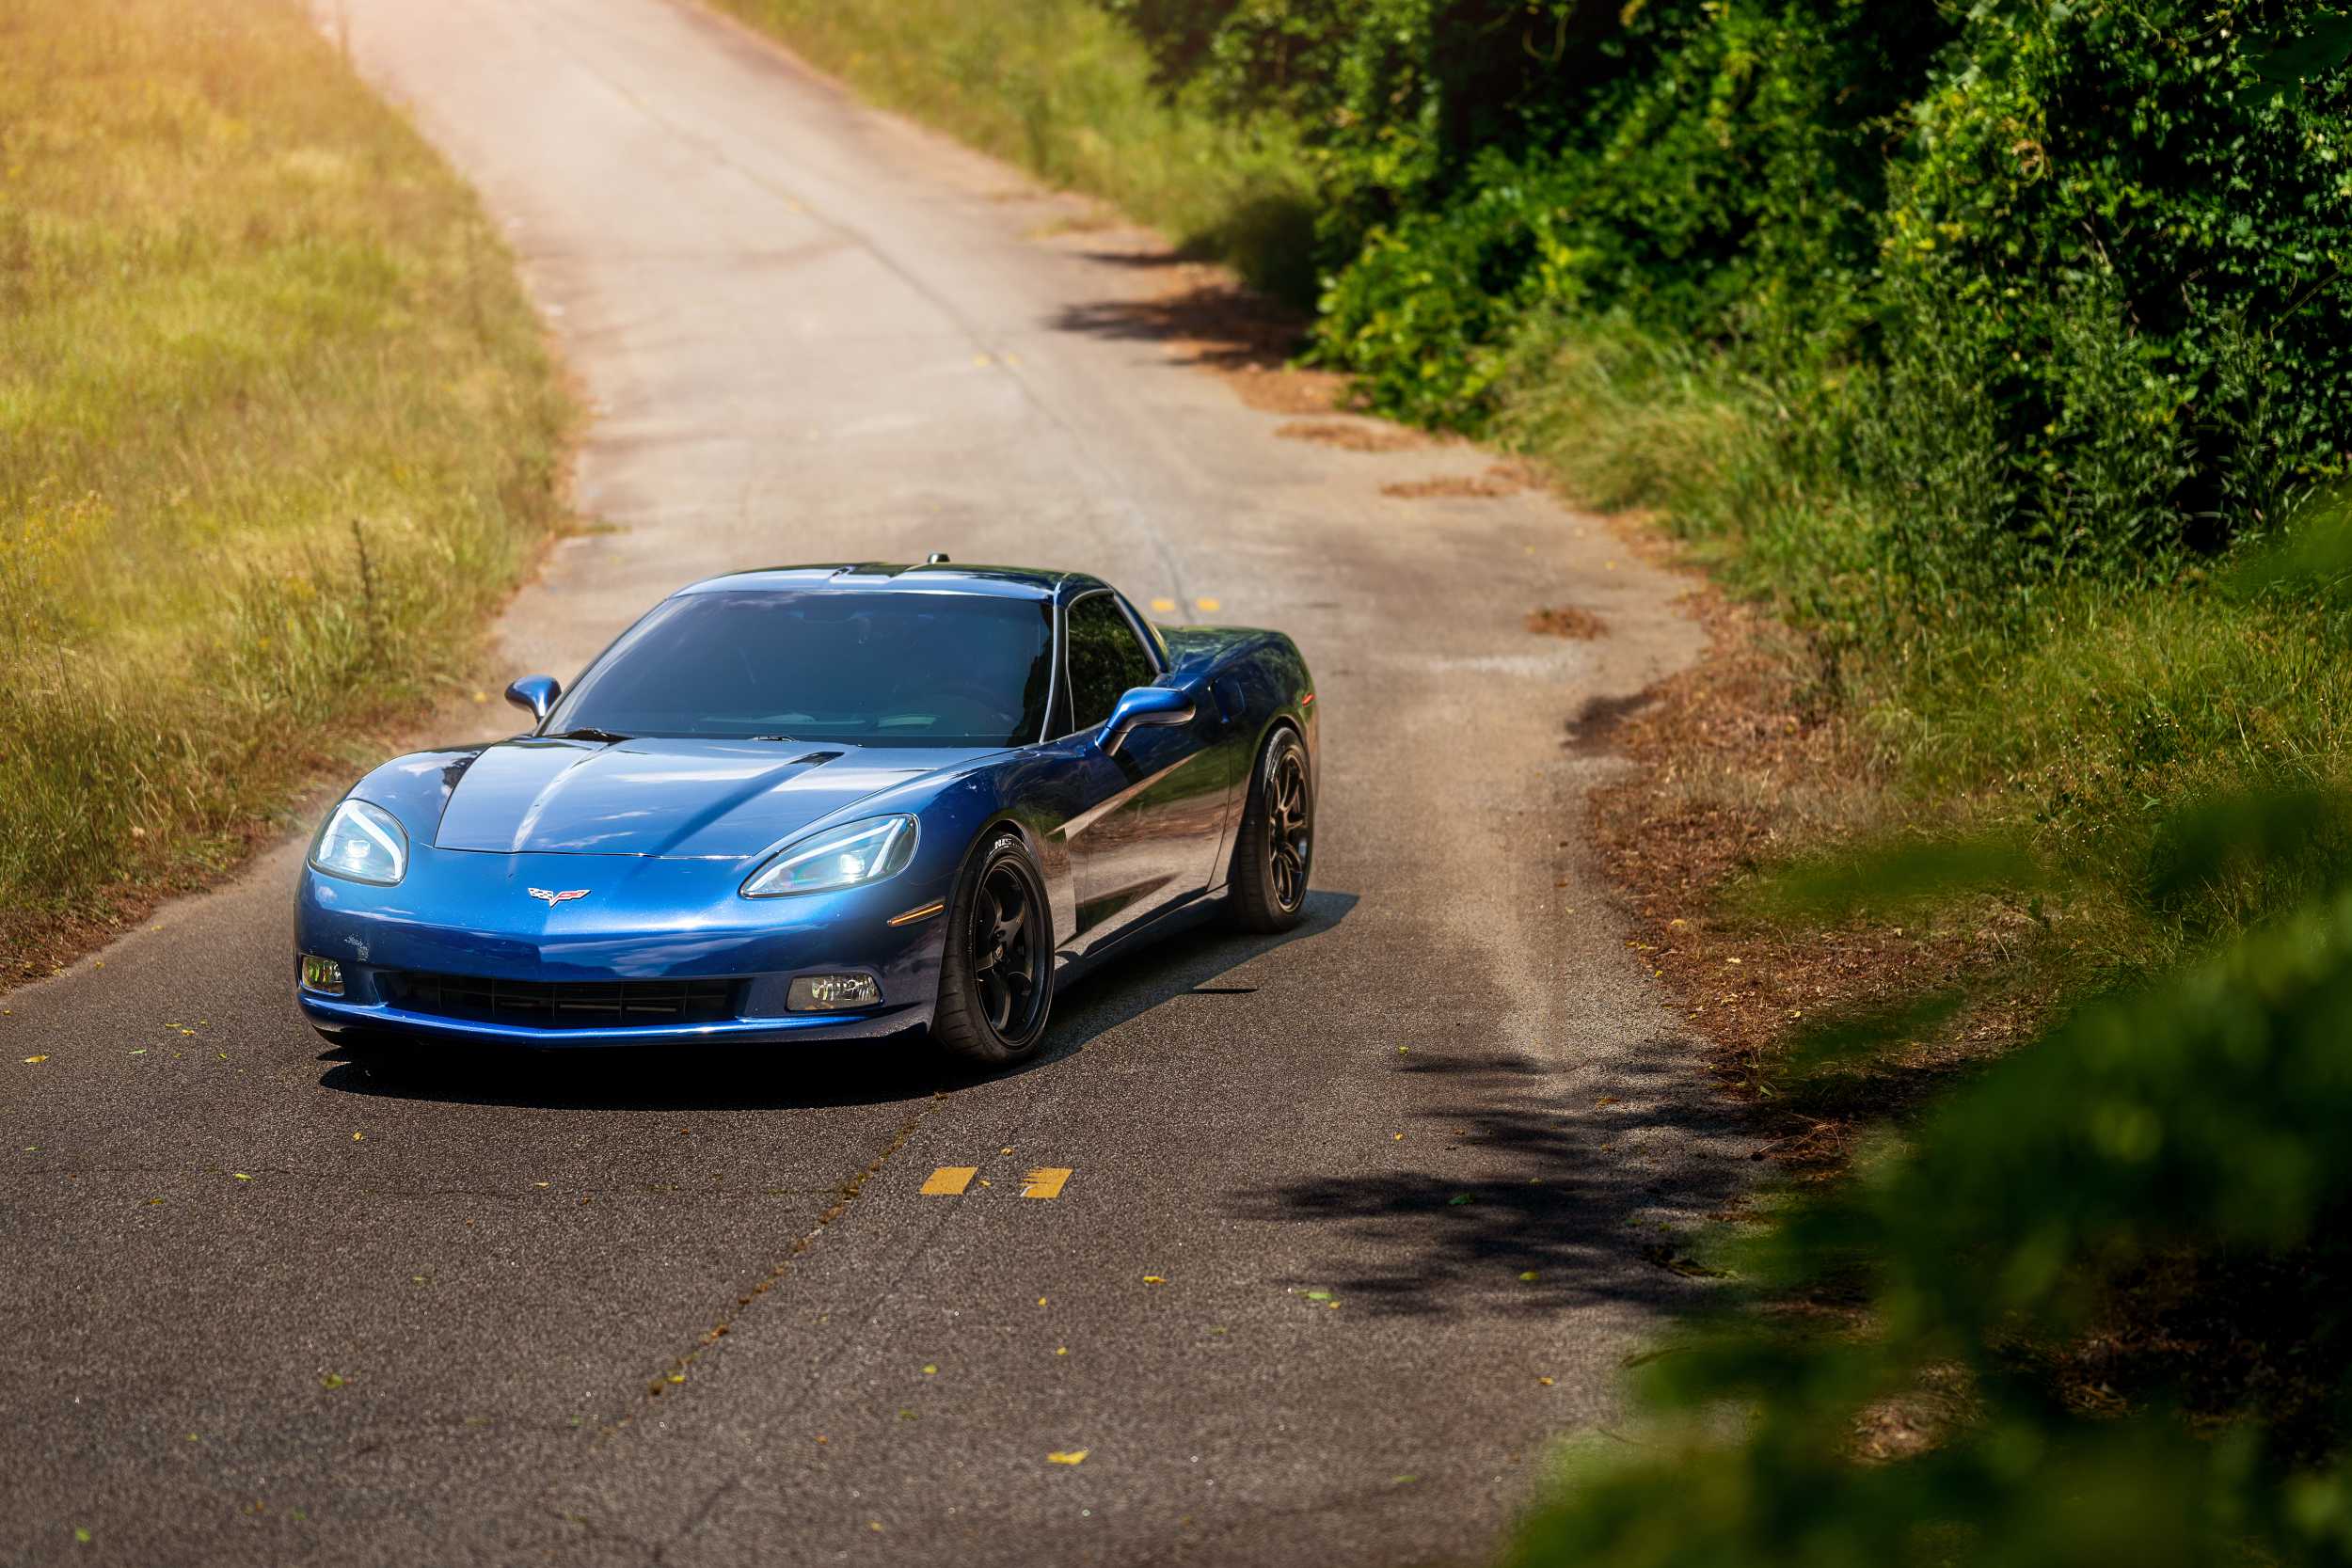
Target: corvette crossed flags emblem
555,898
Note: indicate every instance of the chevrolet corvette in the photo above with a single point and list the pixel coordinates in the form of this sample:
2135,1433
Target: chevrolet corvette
820,804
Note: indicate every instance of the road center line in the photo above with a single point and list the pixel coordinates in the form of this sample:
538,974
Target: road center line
1047,1182
949,1181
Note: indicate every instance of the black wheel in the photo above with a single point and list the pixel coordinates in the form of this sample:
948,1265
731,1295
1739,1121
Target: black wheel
996,983
1276,847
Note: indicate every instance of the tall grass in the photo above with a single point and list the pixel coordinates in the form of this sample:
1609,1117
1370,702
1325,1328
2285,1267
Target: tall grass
276,428
1061,89
2075,717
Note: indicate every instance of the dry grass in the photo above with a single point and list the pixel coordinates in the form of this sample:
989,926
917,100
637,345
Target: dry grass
1358,435
1570,621
277,430
1499,480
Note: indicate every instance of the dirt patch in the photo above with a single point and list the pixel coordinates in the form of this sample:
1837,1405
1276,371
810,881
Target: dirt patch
1356,436
1578,626
1501,479
1737,765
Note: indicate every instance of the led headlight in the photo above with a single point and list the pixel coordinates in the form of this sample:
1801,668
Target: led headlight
839,857
362,841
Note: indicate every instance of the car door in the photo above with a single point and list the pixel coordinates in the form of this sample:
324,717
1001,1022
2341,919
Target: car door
1144,839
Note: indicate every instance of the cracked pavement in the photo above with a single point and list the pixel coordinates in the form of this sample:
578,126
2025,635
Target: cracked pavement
1341,1200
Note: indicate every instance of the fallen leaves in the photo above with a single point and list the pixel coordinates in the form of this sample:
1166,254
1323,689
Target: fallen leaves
1154,1279
35,1061
1567,621
1069,1456
332,1381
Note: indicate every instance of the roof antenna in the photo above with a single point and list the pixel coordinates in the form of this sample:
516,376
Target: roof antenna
935,559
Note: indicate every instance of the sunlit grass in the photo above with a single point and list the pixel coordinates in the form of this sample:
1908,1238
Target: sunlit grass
275,427
1061,89
2074,720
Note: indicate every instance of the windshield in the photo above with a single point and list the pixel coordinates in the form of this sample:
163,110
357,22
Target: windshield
890,667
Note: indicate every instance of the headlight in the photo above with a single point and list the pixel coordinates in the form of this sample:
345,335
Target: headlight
839,857
362,841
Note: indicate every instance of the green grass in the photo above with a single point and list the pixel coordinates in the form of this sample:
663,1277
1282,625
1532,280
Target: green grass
2073,721
277,430
1064,90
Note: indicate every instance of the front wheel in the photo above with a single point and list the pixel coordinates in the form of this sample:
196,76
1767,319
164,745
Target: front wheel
1274,848
996,979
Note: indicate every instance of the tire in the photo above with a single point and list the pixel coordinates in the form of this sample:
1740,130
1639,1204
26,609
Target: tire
1274,852
996,979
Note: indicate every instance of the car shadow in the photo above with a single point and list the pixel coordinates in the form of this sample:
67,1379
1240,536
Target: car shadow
899,1068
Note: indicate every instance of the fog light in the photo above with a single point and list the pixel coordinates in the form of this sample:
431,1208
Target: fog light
815,993
324,975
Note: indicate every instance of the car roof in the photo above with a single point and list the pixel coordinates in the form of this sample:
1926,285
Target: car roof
1026,582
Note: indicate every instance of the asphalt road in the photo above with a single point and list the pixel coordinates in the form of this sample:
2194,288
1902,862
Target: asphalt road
258,1306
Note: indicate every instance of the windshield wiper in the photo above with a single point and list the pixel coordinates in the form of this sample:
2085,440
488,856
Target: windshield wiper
605,735
766,737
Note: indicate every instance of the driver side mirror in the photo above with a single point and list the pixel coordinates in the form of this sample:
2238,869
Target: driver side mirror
1140,705
536,695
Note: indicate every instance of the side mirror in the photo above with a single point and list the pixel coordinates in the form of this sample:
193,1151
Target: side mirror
1141,705
536,695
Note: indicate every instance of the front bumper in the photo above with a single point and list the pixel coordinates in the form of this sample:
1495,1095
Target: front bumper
460,913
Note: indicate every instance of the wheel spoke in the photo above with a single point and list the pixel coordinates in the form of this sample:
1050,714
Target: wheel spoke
1288,873
1005,944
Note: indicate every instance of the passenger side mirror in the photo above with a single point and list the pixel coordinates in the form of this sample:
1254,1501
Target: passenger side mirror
536,695
1141,705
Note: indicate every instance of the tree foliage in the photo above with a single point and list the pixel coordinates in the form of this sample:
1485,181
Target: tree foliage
2102,242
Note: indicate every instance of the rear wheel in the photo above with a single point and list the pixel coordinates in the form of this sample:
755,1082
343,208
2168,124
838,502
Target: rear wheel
1276,846
996,980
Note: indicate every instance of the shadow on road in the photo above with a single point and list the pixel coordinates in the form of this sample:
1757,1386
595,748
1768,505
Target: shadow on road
1591,1192
1198,309
866,1072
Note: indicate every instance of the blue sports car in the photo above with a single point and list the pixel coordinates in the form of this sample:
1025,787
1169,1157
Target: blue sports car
820,804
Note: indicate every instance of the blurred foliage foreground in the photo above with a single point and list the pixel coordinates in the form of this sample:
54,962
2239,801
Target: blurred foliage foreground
2092,1306
276,432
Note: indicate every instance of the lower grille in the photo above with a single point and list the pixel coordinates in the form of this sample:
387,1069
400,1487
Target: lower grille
562,1004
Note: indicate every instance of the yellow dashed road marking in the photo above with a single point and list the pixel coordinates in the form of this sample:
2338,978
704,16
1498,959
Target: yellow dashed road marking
1045,1183
949,1181
1209,605
1162,606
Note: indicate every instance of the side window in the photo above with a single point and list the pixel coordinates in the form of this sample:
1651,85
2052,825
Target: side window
1105,659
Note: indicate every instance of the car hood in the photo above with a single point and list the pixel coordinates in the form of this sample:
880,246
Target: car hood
708,798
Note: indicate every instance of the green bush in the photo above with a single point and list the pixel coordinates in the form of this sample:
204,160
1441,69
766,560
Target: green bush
2079,265
2177,1151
